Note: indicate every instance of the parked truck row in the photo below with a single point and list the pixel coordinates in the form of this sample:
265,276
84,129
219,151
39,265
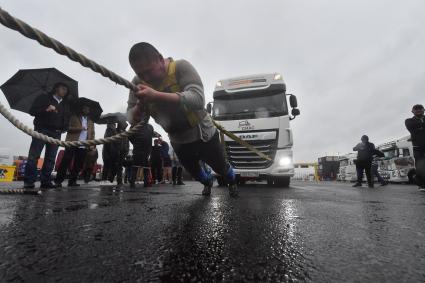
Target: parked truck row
398,165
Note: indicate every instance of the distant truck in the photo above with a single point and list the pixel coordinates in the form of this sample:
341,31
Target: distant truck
255,109
398,166
328,167
347,168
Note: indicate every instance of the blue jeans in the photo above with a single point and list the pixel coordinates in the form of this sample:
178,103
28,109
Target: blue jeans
419,154
34,154
211,152
376,173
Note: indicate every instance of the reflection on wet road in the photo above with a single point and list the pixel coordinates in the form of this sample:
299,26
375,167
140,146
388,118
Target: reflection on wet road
309,232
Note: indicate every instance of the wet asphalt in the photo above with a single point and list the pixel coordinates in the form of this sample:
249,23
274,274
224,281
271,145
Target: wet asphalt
315,232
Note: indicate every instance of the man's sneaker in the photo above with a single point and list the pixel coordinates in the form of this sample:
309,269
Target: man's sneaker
207,188
421,189
180,183
47,186
384,184
357,185
58,185
233,190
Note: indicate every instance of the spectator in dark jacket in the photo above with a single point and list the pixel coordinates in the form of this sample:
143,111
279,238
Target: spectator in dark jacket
365,151
377,156
108,151
88,171
416,127
142,147
118,154
81,128
156,162
166,161
51,114
177,169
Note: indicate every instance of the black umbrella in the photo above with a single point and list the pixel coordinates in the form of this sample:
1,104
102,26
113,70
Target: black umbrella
26,85
95,108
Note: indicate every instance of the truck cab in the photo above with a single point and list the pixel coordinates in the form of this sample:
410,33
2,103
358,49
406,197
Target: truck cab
347,167
255,109
398,166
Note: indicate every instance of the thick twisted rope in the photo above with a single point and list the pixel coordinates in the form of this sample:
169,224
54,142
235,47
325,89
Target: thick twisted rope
13,23
26,30
18,124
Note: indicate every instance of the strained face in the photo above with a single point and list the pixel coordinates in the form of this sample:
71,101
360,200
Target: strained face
153,73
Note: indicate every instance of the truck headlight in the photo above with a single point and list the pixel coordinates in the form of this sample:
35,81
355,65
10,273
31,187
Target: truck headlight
277,77
285,161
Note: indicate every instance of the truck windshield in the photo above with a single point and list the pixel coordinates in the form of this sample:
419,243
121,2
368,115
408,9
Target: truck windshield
251,107
391,153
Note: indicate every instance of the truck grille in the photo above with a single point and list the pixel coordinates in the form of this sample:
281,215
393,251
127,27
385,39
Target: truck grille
242,158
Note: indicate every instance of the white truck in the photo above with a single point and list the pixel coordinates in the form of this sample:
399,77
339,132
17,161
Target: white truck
398,166
347,167
255,109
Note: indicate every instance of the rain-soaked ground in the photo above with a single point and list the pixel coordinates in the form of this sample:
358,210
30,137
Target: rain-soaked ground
320,232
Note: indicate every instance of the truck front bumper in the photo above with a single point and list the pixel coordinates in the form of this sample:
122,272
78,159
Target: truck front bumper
282,166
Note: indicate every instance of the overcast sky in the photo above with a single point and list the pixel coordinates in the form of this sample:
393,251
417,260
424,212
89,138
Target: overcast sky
356,66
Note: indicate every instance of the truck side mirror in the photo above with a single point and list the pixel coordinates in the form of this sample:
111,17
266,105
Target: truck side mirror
293,101
295,112
209,108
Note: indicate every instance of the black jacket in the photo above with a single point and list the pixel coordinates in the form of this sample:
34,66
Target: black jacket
50,120
365,151
115,151
142,140
416,127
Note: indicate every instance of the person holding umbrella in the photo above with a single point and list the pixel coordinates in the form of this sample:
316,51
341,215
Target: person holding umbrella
51,112
81,128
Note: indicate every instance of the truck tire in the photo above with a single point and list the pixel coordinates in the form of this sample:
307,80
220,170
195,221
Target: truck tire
270,182
282,182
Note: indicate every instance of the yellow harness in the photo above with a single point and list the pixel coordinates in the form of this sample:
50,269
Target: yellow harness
170,84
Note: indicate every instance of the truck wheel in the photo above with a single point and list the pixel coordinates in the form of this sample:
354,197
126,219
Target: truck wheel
278,181
270,182
282,182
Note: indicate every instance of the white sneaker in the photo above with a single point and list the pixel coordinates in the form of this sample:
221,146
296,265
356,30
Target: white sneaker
421,189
